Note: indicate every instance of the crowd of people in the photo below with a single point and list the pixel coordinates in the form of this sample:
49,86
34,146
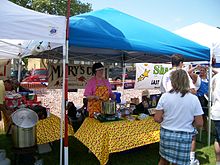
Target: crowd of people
182,109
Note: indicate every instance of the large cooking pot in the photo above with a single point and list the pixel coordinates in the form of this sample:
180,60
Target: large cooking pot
108,107
24,129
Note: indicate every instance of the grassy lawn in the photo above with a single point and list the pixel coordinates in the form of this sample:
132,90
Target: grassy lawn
78,154
146,155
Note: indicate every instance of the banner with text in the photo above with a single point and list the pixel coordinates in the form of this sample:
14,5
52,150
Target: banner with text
78,75
149,75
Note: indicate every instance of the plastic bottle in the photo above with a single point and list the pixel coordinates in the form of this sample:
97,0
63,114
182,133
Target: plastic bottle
119,114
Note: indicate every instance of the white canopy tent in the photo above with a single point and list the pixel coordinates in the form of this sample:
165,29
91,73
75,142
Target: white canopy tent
10,48
22,29
21,26
20,23
203,34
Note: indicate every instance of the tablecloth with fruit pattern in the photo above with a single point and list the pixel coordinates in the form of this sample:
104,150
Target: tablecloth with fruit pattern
109,137
48,130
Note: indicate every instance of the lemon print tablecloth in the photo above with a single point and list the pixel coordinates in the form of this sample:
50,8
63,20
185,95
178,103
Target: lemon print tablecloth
48,130
109,137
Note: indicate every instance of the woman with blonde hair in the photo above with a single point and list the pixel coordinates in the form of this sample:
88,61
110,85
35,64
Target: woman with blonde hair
178,111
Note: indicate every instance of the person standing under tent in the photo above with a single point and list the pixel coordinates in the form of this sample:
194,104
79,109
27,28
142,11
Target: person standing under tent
5,85
179,112
2,97
201,82
83,109
144,105
97,89
215,114
177,63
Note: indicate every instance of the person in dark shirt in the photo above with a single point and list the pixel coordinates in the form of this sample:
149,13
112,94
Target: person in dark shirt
76,116
83,109
72,111
144,105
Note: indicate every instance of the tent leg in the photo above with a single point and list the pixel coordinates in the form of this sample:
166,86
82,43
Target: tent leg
209,101
62,107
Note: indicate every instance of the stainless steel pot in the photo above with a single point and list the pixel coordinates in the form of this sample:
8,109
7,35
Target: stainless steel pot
23,137
108,107
24,129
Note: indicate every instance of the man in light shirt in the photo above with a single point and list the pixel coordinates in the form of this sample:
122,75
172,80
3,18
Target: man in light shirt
177,63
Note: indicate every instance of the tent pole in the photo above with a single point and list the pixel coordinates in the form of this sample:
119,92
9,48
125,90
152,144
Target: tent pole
209,100
62,108
123,75
65,84
123,79
19,70
19,66
66,160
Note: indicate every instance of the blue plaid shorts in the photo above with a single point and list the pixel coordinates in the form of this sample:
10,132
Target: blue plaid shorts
175,146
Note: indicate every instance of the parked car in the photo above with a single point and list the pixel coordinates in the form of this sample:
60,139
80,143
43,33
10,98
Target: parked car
117,73
37,75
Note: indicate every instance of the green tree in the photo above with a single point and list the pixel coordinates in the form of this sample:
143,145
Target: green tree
56,7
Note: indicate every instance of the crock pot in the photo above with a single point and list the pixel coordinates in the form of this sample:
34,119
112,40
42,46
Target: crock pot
108,107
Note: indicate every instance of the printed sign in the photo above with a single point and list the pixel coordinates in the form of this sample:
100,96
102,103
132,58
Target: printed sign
149,75
78,75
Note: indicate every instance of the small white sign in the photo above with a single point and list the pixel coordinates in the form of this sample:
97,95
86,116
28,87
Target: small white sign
149,75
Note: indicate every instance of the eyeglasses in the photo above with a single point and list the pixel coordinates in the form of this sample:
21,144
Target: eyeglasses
99,70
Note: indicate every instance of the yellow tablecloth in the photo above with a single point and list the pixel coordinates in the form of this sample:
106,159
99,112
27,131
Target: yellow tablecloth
48,130
109,137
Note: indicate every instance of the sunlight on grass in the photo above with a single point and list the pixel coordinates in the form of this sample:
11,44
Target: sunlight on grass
78,153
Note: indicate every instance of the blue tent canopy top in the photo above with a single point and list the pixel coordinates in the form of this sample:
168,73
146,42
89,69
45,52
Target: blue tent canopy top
109,35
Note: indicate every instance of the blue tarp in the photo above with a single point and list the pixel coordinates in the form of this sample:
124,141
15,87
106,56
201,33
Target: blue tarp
111,33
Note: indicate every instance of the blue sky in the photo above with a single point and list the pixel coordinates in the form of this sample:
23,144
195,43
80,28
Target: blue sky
168,14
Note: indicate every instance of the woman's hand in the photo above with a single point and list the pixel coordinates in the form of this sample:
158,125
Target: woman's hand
158,116
93,97
96,97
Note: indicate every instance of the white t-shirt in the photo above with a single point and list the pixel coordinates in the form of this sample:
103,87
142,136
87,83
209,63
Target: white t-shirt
198,83
179,112
166,85
215,110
